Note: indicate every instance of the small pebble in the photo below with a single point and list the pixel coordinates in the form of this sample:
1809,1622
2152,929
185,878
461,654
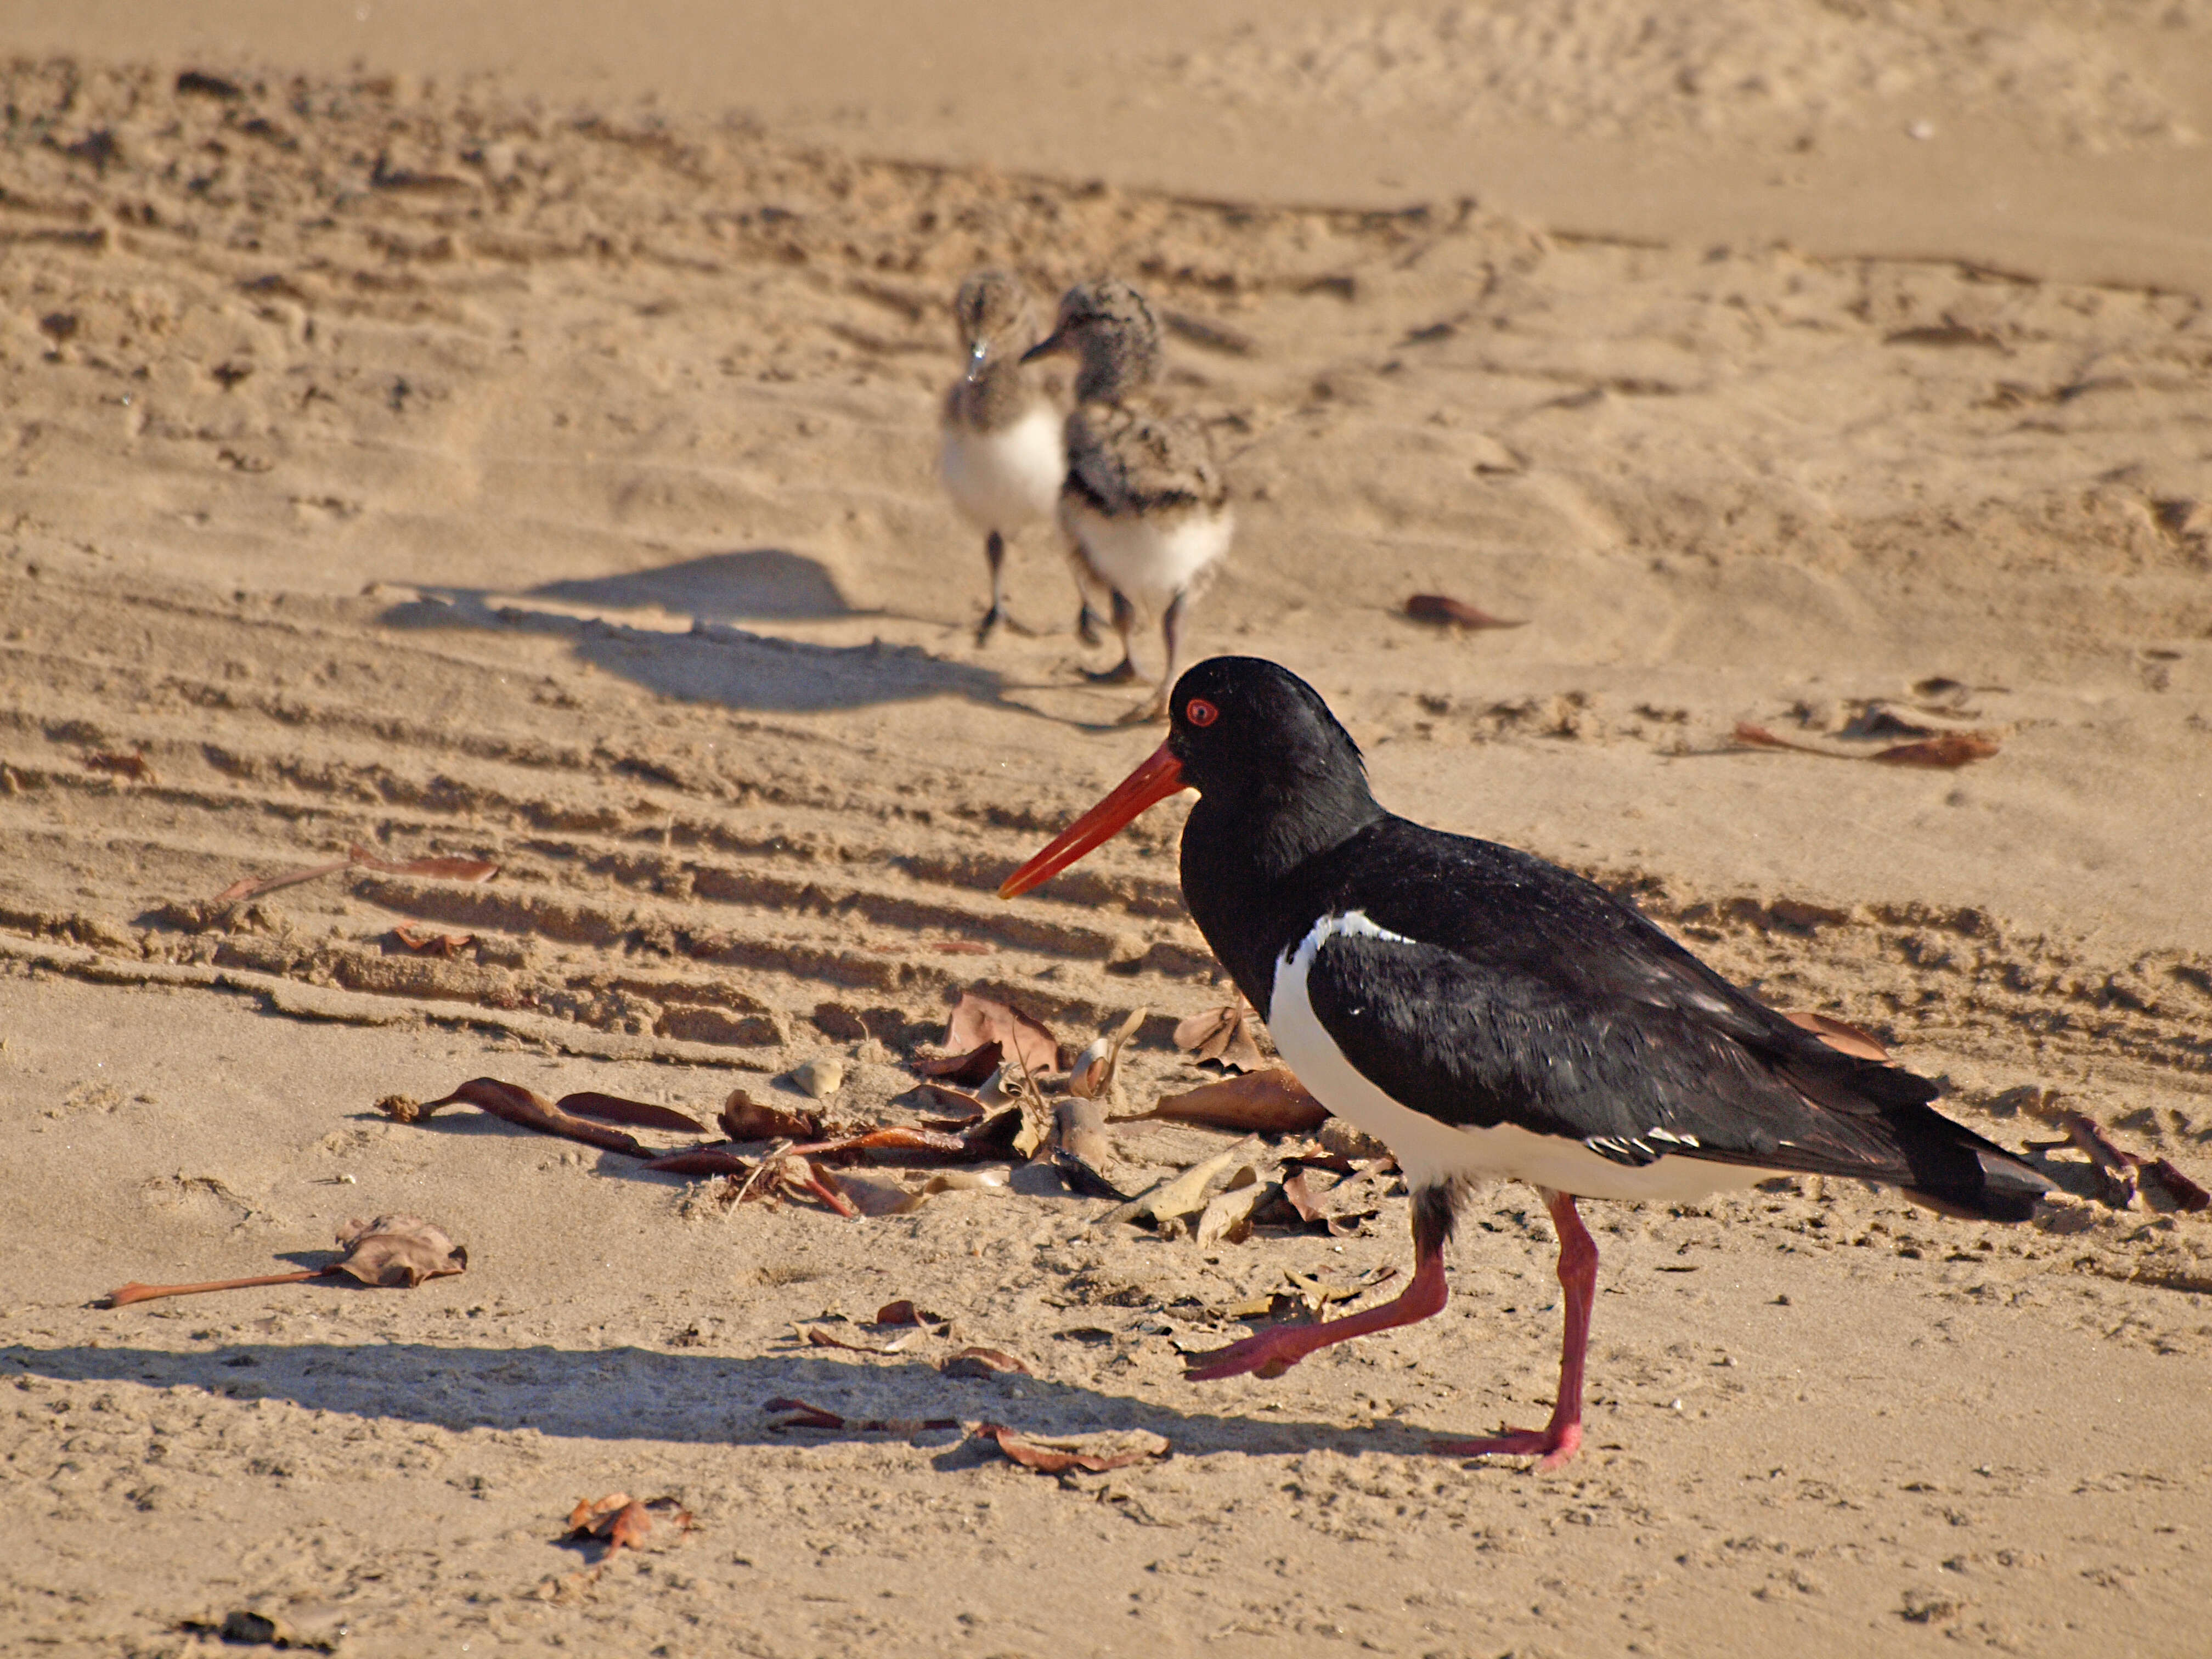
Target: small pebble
820,1078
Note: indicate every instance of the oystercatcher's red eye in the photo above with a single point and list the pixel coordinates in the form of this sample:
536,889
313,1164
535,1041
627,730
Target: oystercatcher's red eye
1199,711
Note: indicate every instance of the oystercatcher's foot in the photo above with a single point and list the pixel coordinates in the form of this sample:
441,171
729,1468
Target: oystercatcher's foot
1550,1447
992,619
1268,1355
1120,674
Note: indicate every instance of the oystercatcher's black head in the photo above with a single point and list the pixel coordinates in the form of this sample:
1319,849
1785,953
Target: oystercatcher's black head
1260,744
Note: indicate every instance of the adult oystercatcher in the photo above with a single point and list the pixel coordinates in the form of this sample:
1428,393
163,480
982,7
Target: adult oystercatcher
1002,456
1488,1014
1144,503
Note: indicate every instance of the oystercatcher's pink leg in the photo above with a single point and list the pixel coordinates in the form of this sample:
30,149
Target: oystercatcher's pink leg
1273,1353
1558,1440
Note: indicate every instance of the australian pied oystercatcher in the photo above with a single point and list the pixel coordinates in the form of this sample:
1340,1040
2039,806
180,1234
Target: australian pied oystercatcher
1487,1014
1144,503
1003,453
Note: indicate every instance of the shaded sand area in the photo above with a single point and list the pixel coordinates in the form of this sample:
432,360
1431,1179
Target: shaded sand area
440,470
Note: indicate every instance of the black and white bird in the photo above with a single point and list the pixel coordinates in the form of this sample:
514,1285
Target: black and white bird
1003,454
1144,501
1487,1014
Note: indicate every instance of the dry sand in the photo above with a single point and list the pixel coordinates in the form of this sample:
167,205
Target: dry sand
498,466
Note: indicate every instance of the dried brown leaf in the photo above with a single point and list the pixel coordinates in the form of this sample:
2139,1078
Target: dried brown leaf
613,1108
629,1527
893,1138
248,886
743,1118
518,1105
399,1250
1183,1194
1949,749
810,1416
820,1338
984,1362
446,868
978,1020
1220,1034
456,869
1456,613
1093,1454
1270,1101
1843,1038
904,1312
428,941
1227,1217
1091,1076
973,1068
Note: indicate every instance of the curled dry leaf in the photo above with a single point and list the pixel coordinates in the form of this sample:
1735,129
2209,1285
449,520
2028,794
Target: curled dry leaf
809,1416
1183,1194
971,1068
1272,1101
978,1020
1227,1216
1091,1076
984,1362
613,1108
620,1522
743,1118
821,1338
451,869
399,1250
1092,1454
1454,613
904,1312
1842,1037
392,1251
1220,1034
518,1105
428,941
1080,1131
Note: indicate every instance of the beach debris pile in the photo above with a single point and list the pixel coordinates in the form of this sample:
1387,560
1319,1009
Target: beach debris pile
1000,1089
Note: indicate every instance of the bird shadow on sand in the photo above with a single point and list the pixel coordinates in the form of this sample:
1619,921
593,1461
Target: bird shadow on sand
629,1392
715,661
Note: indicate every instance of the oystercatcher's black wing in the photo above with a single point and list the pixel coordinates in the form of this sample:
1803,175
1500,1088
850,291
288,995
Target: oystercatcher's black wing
1500,988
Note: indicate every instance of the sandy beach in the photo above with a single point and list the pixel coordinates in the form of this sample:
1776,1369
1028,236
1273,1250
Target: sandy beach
494,435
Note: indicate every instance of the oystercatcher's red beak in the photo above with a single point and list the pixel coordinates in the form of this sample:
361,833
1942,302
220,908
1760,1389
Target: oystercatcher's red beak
1160,776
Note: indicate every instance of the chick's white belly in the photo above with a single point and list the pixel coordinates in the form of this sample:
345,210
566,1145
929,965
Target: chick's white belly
1432,1153
1151,557
1002,480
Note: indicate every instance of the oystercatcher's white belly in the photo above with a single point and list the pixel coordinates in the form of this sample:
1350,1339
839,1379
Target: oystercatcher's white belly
1431,1153
1151,556
1002,480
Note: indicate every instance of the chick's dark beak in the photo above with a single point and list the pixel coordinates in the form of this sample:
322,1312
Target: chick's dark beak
1055,341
